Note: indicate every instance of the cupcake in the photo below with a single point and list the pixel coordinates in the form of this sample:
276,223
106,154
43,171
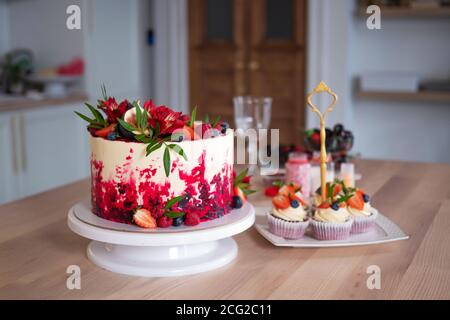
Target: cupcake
331,219
288,218
363,214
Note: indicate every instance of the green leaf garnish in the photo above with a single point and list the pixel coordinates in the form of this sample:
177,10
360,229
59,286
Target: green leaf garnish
126,125
174,214
178,150
215,122
193,115
98,116
169,204
278,183
152,147
166,160
105,96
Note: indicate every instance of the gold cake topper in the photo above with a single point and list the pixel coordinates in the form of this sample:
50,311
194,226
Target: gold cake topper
322,87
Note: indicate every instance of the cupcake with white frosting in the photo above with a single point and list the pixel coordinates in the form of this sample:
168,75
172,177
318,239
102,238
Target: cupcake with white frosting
362,212
288,218
331,219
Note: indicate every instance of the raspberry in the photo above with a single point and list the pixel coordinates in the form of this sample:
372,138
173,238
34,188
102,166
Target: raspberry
271,191
192,219
164,222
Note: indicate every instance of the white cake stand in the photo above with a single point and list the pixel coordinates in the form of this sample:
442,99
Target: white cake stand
174,251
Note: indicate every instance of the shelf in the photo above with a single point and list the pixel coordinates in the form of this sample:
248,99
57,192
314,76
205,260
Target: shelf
428,96
408,12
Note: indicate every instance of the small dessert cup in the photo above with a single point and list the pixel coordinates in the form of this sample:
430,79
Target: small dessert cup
331,230
287,229
363,224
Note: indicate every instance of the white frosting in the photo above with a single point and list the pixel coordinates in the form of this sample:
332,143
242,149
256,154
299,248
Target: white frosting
113,155
330,215
290,214
366,211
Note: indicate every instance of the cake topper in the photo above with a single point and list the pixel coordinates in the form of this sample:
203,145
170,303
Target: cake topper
322,87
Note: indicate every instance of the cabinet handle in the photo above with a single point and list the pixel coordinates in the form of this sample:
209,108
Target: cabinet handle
23,142
14,157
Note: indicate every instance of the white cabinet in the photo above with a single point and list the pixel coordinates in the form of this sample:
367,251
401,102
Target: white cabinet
47,148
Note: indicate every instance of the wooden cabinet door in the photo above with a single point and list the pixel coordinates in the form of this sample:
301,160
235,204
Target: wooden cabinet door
249,47
217,60
277,62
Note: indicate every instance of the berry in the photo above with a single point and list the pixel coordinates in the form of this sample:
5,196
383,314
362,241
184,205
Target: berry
324,205
105,131
366,197
238,192
315,138
335,206
183,202
295,204
124,132
178,221
192,219
164,222
144,219
287,190
338,128
225,125
281,202
246,179
236,203
271,191
111,136
357,201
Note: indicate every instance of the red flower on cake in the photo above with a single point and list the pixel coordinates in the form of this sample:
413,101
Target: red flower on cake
112,109
167,119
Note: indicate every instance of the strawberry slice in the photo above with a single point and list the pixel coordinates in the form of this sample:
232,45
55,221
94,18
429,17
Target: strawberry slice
337,189
297,197
144,219
105,131
324,205
357,201
238,192
281,202
286,190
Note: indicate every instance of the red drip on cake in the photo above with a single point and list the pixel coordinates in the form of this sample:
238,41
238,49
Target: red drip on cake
117,198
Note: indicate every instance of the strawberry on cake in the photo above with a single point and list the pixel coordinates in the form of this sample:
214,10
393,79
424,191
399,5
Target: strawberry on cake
155,167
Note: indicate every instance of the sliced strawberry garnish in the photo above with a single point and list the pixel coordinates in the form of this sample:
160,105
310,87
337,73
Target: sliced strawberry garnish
105,131
286,190
281,202
144,219
188,133
324,205
295,196
337,189
357,201
238,192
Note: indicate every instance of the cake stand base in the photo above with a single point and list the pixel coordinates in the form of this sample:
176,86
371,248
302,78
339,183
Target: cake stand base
173,251
163,261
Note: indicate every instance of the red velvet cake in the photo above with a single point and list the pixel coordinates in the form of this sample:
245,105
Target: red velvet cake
154,167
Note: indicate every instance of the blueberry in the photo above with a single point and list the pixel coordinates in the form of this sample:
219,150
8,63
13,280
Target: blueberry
111,136
125,133
338,128
176,222
180,138
335,206
236,203
225,125
295,204
183,202
366,198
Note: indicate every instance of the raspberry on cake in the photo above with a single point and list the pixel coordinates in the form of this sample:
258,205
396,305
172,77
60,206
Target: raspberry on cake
153,167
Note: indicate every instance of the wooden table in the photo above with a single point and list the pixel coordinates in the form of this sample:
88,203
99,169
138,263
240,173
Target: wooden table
36,247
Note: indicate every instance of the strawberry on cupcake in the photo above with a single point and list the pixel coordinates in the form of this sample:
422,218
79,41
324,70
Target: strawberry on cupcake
363,213
288,218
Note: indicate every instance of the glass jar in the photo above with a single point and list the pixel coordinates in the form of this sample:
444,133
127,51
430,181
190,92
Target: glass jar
298,171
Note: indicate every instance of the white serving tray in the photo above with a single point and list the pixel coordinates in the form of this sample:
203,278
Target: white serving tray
384,231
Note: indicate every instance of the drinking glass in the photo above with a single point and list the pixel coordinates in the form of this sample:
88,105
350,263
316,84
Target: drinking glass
252,113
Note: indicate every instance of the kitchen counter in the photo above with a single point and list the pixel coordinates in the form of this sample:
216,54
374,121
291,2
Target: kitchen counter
8,104
36,247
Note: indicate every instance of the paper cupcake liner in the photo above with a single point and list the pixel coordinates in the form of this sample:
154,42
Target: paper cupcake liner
331,230
287,229
364,224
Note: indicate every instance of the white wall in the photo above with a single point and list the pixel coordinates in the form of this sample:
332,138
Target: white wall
40,25
383,129
4,28
114,41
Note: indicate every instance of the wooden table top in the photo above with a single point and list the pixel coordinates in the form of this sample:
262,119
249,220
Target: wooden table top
36,247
